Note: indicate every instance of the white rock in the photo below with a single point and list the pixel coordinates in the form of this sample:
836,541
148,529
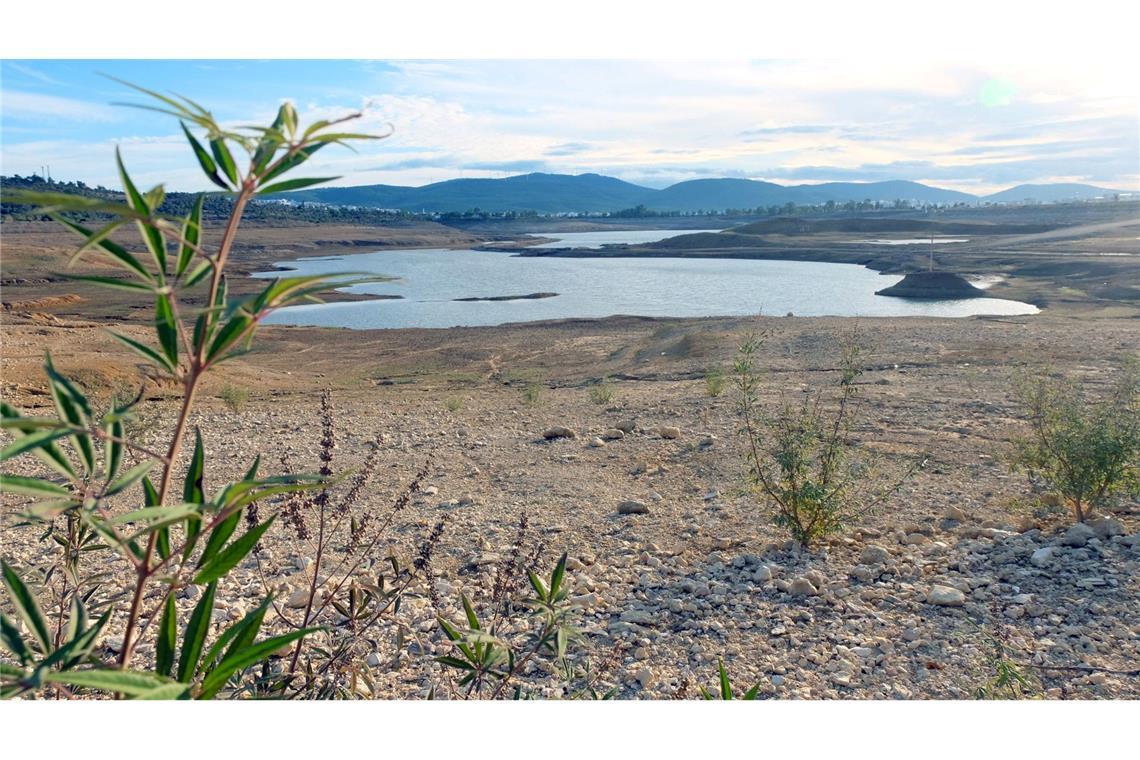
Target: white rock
596,443
645,677
874,555
945,596
1042,556
802,587
669,432
298,599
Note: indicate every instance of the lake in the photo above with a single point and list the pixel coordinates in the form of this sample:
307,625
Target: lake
429,281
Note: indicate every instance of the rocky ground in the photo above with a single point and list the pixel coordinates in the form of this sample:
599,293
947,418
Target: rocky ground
673,565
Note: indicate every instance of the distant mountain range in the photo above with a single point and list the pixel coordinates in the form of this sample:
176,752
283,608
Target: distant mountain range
566,193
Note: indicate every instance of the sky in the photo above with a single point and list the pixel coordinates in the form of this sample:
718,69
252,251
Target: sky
968,126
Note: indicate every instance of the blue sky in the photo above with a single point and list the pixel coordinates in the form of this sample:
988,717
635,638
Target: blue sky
969,127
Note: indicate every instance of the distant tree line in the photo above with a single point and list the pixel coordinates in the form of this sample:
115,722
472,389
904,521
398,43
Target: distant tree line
216,205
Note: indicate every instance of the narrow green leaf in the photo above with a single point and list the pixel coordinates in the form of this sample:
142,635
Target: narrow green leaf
72,407
32,441
225,159
725,686
129,682
191,235
144,351
134,197
228,335
232,554
472,618
167,691
219,536
26,606
13,641
128,478
12,420
209,168
167,327
242,659
292,162
119,254
238,636
113,283
113,448
167,638
195,635
557,575
32,487
294,184
192,490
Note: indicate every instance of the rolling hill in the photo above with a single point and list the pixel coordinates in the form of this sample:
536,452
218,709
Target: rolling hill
585,193
1064,191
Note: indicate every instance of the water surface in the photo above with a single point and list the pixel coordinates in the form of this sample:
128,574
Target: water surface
597,239
430,279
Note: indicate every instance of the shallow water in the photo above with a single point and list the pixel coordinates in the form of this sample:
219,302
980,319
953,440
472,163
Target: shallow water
430,280
907,241
606,237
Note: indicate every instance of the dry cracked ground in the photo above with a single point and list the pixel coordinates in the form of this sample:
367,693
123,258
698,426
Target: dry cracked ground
906,603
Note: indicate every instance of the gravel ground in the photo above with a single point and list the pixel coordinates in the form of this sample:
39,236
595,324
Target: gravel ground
905,604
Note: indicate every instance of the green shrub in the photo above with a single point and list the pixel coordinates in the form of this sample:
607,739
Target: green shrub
802,458
234,397
453,403
175,535
602,393
532,394
715,381
1086,449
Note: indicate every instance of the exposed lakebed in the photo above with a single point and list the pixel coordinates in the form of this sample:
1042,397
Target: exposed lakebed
456,288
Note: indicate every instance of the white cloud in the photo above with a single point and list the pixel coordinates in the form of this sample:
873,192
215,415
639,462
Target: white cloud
26,106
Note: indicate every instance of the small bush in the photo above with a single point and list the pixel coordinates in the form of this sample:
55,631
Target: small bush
527,619
453,404
234,397
602,393
803,459
714,381
1085,449
532,394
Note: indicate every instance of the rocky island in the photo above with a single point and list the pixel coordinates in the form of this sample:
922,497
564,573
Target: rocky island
933,286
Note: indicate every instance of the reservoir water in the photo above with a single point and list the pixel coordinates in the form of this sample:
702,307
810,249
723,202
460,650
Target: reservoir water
428,282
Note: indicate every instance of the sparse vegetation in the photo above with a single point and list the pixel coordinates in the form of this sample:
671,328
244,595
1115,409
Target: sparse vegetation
234,397
453,403
1085,449
532,393
602,393
490,653
715,381
802,458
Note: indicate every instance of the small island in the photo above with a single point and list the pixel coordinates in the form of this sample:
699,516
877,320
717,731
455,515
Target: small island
933,285
507,298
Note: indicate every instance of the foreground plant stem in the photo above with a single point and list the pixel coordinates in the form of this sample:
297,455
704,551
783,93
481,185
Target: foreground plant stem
198,366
